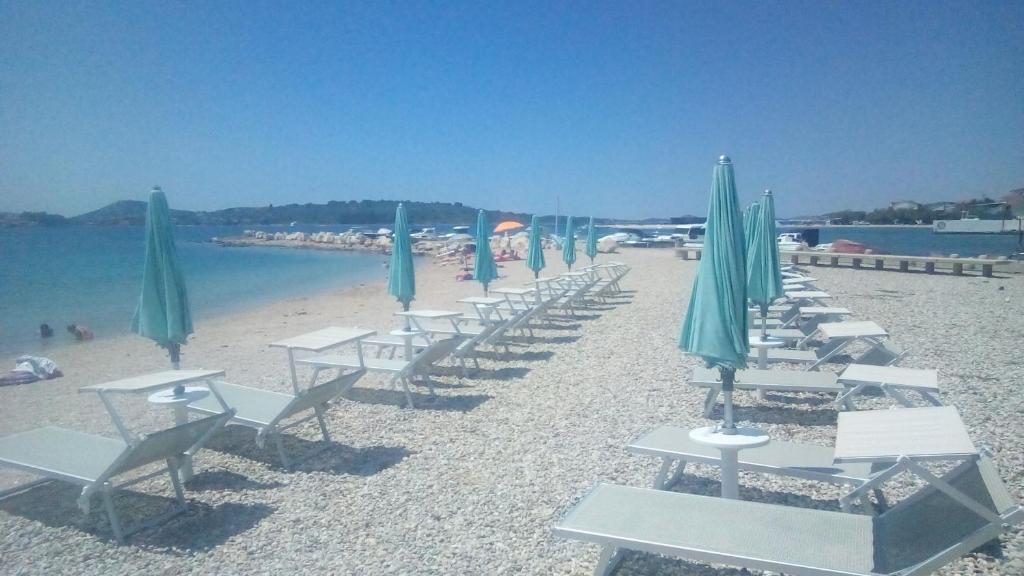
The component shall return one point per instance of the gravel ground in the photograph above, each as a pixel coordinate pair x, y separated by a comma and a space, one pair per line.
472, 482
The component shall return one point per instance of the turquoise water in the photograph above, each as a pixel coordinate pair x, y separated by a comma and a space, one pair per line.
923, 242
91, 275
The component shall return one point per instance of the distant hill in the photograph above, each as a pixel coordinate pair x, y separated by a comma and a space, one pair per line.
358, 212
127, 212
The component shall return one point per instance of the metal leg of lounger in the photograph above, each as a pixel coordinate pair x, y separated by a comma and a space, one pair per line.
929, 398
845, 399
608, 561
857, 494
659, 480
179, 492
829, 354
319, 411
280, 450
408, 393
115, 522
710, 400
665, 482
676, 475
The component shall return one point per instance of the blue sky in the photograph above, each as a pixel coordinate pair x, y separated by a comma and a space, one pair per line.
618, 109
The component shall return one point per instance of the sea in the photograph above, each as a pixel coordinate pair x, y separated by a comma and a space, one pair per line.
91, 275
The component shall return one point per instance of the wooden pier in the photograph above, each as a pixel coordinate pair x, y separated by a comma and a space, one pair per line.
875, 261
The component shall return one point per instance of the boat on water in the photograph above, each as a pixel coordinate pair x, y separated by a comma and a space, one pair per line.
800, 240
424, 234
791, 241
650, 236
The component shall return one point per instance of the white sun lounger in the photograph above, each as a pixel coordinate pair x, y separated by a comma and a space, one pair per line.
402, 371
808, 461
271, 413
93, 462
765, 380
893, 381
966, 508
840, 335
470, 337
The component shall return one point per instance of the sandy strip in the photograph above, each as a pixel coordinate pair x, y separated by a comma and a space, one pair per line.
472, 483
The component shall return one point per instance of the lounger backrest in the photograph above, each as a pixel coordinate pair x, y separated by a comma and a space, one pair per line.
931, 525
829, 346
169, 443
319, 394
789, 314
810, 325
499, 329
433, 353
883, 353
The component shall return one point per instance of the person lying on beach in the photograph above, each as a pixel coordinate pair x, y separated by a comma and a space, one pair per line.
80, 331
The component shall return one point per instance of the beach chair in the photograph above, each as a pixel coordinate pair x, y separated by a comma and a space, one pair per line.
845, 389
808, 461
271, 413
894, 382
840, 335
94, 462
766, 380
470, 338
947, 518
402, 371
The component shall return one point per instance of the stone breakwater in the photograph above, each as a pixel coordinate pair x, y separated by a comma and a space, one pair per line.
359, 241
320, 241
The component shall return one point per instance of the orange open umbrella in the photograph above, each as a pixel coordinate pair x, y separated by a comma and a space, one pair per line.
507, 225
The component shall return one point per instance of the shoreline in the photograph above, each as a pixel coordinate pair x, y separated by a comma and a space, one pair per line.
225, 313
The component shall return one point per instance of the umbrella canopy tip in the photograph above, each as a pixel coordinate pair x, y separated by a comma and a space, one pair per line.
723, 159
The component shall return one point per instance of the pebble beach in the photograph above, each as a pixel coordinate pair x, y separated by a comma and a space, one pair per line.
472, 481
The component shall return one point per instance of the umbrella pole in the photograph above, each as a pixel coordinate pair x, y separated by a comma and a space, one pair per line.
175, 350
728, 379
405, 308
764, 322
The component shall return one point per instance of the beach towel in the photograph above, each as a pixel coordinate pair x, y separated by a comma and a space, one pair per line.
28, 369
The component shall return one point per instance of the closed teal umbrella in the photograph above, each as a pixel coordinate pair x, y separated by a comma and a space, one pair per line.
535, 253
401, 272
569, 243
484, 269
163, 313
715, 327
749, 221
591, 249
764, 278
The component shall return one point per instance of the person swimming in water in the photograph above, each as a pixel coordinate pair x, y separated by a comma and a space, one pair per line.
80, 331
45, 331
